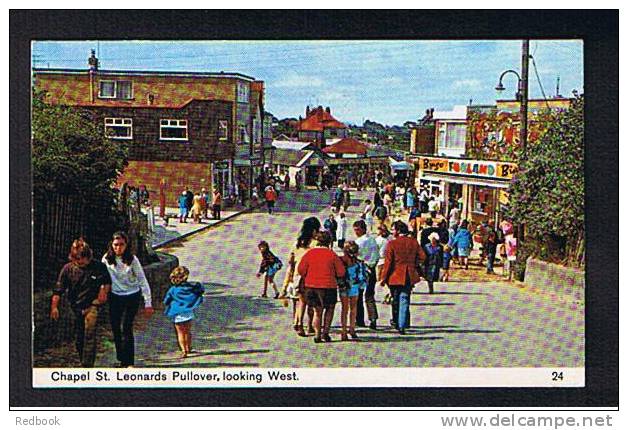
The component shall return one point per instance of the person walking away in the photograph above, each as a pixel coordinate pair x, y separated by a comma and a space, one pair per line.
433, 261
331, 226
446, 262
341, 233
413, 219
463, 242
491, 246
204, 203
382, 239
189, 199
216, 203
510, 242
277, 187
128, 286
356, 279
367, 215
181, 299
286, 181
87, 284
443, 232
401, 272
271, 196
293, 281
369, 252
388, 201
381, 214
320, 268
410, 198
243, 192
423, 198
338, 197
297, 181
269, 266
183, 210
346, 199
197, 208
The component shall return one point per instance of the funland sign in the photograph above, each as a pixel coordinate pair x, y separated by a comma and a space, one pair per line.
477, 168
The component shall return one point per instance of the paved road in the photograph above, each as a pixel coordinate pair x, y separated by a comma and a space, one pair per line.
467, 324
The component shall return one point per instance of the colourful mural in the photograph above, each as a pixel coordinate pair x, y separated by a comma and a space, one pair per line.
493, 134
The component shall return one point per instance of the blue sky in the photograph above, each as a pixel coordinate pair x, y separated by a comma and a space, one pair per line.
385, 81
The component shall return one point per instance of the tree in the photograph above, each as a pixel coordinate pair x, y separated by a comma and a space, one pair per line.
547, 194
71, 154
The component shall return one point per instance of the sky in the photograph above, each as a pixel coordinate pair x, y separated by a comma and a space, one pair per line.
389, 82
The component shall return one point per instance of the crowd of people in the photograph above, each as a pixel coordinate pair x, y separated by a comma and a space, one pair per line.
324, 267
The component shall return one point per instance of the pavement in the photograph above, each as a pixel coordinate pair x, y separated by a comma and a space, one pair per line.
165, 232
477, 321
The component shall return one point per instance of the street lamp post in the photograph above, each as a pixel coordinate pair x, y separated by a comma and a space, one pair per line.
522, 94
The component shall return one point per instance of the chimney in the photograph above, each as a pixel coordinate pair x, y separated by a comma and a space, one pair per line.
328, 110
93, 61
307, 111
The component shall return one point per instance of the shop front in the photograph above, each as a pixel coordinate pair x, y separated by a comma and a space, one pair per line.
477, 187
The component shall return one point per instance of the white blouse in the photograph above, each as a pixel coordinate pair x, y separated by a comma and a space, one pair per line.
127, 280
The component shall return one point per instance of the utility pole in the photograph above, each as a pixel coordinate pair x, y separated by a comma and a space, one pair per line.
523, 95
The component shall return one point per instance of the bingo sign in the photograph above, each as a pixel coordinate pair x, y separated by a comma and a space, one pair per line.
477, 168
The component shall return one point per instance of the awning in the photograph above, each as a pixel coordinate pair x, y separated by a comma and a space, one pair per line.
401, 165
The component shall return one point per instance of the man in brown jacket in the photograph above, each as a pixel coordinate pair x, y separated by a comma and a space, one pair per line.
401, 271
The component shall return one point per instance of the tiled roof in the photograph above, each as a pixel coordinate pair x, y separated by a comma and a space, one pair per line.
347, 145
318, 120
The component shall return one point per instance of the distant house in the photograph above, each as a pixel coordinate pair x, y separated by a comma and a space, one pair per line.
294, 157
319, 125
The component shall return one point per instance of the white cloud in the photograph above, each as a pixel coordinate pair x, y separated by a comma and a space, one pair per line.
467, 84
295, 80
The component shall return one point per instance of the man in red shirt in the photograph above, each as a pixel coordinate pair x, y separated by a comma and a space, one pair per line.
401, 271
320, 268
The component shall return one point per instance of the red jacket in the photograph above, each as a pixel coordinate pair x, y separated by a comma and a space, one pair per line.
270, 195
402, 261
320, 267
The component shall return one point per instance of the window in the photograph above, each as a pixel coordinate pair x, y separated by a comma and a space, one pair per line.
452, 135
107, 89
124, 90
173, 129
119, 128
256, 131
244, 134
223, 129
115, 90
243, 92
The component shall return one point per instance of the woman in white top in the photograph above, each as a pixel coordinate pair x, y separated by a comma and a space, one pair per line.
128, 286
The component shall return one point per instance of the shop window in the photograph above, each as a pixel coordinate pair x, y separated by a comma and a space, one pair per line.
119, 128
173, 129
482, 200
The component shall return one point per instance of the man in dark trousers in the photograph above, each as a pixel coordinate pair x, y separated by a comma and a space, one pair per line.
189, 199
87, 283
401, 271
369, 252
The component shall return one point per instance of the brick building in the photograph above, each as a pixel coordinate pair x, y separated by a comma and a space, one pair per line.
187, 128
319, 125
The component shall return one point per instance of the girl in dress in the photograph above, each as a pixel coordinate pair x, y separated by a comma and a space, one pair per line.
181, 300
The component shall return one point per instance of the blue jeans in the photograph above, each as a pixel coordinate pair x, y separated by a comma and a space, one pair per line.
490, 261
401, 305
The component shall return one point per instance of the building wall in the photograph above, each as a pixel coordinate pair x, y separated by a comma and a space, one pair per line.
167, 91
177, 174
203, 144
422, 140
